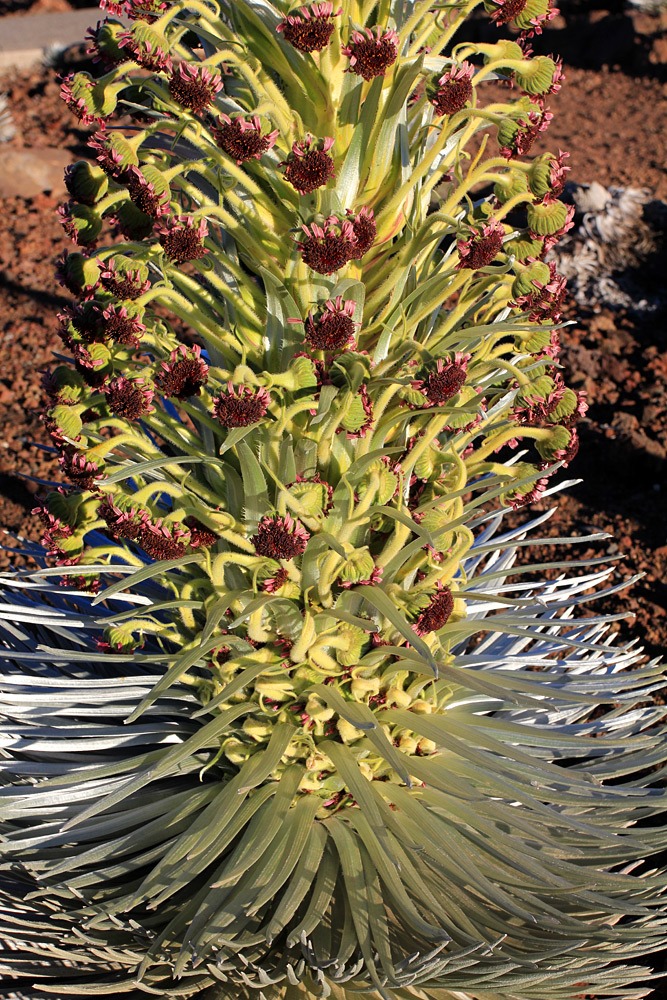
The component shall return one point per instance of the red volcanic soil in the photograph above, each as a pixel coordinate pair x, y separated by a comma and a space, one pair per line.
611, 115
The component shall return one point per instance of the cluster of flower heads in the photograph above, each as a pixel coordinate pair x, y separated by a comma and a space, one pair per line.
106, 316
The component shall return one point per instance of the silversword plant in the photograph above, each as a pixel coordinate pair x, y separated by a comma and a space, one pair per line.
282, 715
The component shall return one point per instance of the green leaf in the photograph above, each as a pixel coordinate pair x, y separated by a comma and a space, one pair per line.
380, 600
256, 496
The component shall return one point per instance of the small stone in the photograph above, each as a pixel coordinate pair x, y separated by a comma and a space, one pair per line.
29, 172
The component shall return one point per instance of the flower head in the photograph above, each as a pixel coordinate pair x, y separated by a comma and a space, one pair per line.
272, 584
371, 51
333, 328
201, 536
194, 86
77, 90
126, 283
482, 246
528, 15
129, 398
120, 523
310, 29
81, 223
436, 614
328, 247
241, 406
517, 138
182, 238
184, 374
162, 542
454, 89
545, 303
518, 500
79, 470
442, 383
309, 165
365, 231
147, 52
280, 537
242, 139
121, 326
145, 195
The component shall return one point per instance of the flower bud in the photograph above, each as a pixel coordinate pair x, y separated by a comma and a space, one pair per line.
355, 639
536, 75
359, 567
78, 273
547, 218
121, 638
524, 283
257, 729
347, 732
558, 440
514, 183
67, 420
86, 182
314, 496
523, 247
362, 688
82, 223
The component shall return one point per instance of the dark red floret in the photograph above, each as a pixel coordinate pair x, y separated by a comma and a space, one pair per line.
311, 28
437, 614
241, 406
242, 138
333, 329
194, 87
201, 536
184, 374
365, 231
280, 537
128, 398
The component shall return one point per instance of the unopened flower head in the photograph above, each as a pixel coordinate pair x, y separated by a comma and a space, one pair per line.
309, 28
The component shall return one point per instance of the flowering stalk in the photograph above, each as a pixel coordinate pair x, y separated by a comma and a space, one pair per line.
296, 387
